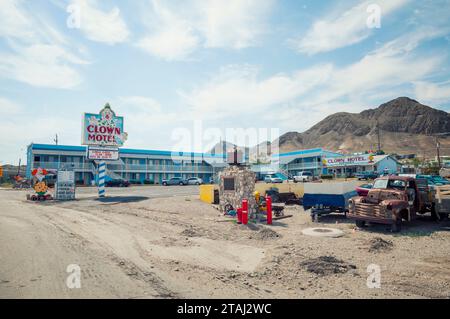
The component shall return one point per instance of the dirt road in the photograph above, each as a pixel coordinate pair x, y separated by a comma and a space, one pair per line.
144, 246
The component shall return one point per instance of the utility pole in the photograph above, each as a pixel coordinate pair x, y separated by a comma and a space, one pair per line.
378, 137
18, 169
438, 145
56, 139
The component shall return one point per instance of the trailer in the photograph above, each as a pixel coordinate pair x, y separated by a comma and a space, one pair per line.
327, 198
442, 201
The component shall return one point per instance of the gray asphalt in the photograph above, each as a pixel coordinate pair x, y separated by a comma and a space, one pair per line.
150, 191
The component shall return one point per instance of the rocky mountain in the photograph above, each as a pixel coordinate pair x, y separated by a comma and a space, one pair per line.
405, 126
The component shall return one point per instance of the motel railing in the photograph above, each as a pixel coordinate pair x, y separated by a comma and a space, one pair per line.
129, 167
300, 166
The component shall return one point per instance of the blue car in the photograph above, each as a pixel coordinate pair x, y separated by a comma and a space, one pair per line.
440, 180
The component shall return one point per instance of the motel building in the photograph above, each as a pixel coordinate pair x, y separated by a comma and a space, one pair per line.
152, 166
134, 165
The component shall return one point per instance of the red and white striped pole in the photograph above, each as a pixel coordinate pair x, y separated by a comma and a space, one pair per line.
269, 210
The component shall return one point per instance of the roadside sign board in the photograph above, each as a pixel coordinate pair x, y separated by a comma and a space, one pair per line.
65, 185
103, 129
365, 159
102, 153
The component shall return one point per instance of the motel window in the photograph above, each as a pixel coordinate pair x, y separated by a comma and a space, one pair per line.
37, 158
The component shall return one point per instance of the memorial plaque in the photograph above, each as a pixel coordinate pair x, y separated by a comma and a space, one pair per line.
228, 184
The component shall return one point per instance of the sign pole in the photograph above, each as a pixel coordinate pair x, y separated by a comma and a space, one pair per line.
101, 178
103, 134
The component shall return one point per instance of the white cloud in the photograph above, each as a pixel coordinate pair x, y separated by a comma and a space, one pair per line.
22, 128
172, 37
139, 103
146, 122
14, 22
432, 92
38, 54
235, 23
42, 66
311, 94
8, 107
176, 31
340, 29
100, 26
237, 89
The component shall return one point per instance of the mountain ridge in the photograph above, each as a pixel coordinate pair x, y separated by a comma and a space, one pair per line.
405, 126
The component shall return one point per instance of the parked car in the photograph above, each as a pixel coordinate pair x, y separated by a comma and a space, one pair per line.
363, 189
303, 177
391, 200
174, 181
439, 180
272, 179
195, 181
117, 183
50, 180
366, 175
429, 180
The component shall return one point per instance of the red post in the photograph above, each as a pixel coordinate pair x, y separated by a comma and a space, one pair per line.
245, 204
244, 218
269, 210
239, 215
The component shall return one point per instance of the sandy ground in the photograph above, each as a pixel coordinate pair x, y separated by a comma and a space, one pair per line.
167, 244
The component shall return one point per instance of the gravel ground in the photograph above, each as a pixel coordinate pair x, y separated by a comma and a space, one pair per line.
171, 245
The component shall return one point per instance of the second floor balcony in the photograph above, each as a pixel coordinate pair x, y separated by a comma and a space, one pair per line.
89, 167
300, 166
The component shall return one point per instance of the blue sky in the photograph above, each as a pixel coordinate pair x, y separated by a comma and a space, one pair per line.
254, 63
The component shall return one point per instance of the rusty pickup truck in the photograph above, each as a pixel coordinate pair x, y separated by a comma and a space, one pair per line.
391, 200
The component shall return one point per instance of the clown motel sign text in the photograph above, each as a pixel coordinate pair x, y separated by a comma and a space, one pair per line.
103, 129
365, 159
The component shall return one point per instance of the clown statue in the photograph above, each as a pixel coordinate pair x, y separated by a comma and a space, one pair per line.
40, 186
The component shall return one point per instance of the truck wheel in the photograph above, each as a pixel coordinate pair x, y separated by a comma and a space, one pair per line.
360, 223
164, 184
396, 226
434, 214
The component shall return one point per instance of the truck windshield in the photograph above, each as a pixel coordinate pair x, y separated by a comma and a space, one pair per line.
389, 183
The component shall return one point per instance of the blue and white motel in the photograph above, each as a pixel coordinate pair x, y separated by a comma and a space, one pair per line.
138, 165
